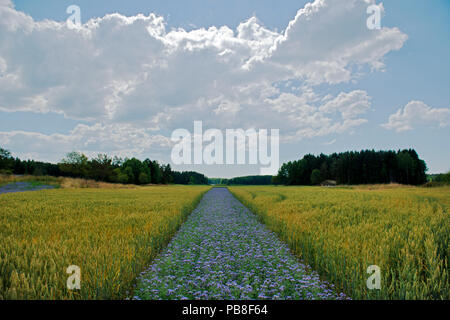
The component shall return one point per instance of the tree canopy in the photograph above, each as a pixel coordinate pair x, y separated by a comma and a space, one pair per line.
363, 167
102, 168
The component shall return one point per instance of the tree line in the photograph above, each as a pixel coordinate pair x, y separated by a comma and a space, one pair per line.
101, 168
245, 181
363, 167
441, 178
189, 177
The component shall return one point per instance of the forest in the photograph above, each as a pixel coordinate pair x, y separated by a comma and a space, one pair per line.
363, 167
243, 181
352, 168
101, 168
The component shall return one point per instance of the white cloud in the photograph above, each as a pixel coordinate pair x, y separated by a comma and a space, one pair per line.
120, 140
6, 3
329, 143
130, 72
308, 115
350, 105
328, 36
417, 113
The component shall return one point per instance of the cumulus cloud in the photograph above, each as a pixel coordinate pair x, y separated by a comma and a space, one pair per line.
308, 116
328, 36
350, 105
6, 3
131, 72
329, 143
113, 139
417, 113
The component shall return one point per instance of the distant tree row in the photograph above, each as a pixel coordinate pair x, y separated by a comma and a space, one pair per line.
251, 180
443, 178
217, 181
245, 181
364, 167
8, 164
126, 171
189, 177
101, 168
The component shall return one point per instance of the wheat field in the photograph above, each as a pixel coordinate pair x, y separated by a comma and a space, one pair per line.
340, 232
111, 234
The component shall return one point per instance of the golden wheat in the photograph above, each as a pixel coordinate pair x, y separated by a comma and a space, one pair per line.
110, 234
342, 231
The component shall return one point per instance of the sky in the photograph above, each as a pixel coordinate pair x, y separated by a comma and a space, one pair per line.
137, 70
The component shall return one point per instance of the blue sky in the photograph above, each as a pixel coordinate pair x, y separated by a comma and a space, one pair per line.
415, 70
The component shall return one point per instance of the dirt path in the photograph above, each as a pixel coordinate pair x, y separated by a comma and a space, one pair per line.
223, 252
